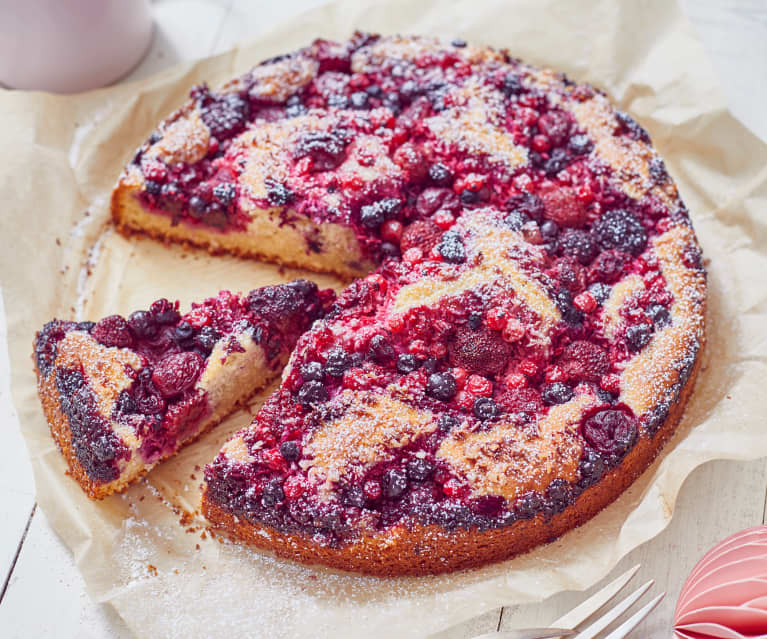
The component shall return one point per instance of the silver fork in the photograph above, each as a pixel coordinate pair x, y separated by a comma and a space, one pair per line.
566, 626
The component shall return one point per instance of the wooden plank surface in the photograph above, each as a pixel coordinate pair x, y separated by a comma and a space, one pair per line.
42, 592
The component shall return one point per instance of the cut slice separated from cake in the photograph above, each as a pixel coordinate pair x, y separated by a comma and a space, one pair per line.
120, 395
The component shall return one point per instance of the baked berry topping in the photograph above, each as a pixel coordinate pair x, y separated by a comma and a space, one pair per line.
441, 386
481, 351
113, 331
225, 115
312, 392
578, 244
177, 373
451, 248
584, 361
611, 432
485, 409
421, 234
326, 150
620, 229
556, 393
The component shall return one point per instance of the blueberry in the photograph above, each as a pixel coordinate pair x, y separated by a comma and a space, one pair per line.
528, 505
659, 314
273, 493
658, 171
512, 85
559, 494
549, 230
592, 467
290, 450
451, 247
196, 206
556, 393
441, 386
440, 175
381, 351
419, 469
338, 100
312, 371
578, 244
395, 483
152, 187
206, 339
143, 324
429, 365
580, 144
354, 496
458, 43
312, 392
390, 206
374, 90
371, 216
338, 362
620, 229
564, 301
359, 100
389, 250
556, 162
485, 408
475, 321
409, 89
183, 331
638, 336
469, 197
448, 423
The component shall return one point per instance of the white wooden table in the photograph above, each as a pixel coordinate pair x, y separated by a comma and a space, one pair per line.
41, 592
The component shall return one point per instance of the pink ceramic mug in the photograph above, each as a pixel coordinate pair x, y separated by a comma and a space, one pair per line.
71, 45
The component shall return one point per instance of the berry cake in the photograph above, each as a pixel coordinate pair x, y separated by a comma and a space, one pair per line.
526, 324
121, 395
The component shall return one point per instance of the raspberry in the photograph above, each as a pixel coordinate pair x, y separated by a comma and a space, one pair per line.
274, 459
513, 331
113, 331
464, 400
478, 385
561, 205
460, 376
515, 380
443, 219
555, 374
421, 234
528, 367
372, 489
521, 400
584, 361
176, 373
555, 125
294, 487
496, 319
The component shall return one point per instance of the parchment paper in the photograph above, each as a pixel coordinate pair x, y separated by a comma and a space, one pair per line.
61, 156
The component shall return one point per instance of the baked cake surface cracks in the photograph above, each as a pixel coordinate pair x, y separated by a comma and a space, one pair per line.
527, 341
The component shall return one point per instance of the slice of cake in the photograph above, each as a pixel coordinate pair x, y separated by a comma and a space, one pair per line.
122, 394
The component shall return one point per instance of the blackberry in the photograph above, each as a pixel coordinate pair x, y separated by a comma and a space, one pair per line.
206, 339
659, 314
600, 291
441, 386
528, 505
556, 162
592, 467
278, 193
578, 244
528, 204
407, 363
515, 220
621, 229
440, 175
451, 248
224, 193
226, 115
371, 216
512, 85
630, 127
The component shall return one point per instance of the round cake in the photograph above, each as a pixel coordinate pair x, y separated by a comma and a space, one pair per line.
528, 313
